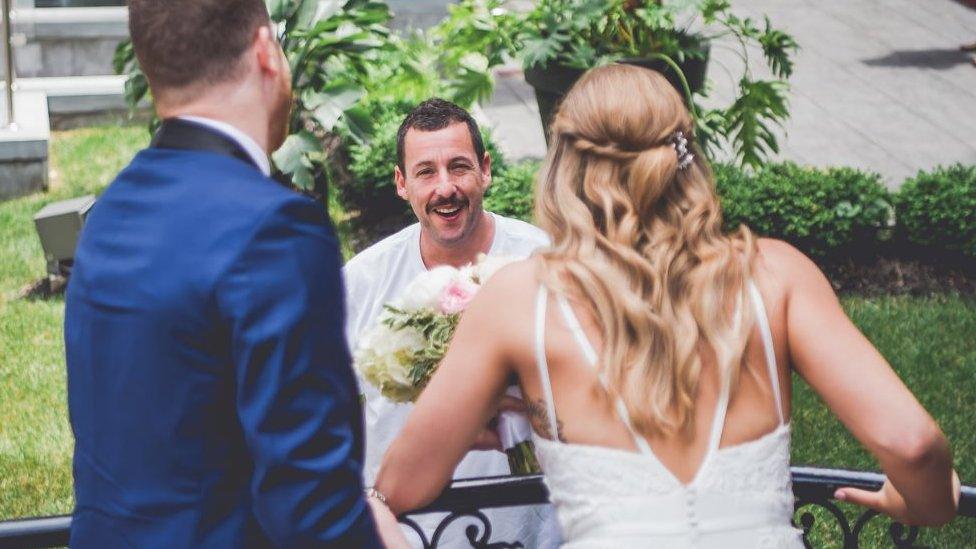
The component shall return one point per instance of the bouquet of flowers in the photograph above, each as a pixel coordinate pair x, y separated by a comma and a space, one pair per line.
401, 353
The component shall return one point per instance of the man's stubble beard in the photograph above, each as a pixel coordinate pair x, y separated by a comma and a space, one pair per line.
279, 125
467, 232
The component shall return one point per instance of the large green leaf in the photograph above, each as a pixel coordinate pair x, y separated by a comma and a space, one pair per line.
294, 158
359, 122
777, 48
759, 103
280, 9
328, 105
473, 83
124, 57
537, 52
304, 15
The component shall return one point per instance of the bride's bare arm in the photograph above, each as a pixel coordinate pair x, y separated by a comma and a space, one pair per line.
462, 397
861, 388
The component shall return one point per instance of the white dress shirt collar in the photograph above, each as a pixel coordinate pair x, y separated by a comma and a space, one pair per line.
252, 149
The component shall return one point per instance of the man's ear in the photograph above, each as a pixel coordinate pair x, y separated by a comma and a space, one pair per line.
267, 52
486, 169
401, 183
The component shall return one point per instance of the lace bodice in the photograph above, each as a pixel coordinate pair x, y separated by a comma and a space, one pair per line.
606, 497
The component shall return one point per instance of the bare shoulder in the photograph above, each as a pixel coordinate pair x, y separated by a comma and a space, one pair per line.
501, 313
780, 254
781, 263
513, 281
782, 271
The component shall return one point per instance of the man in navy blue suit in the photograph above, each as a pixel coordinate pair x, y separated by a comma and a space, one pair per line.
209, 384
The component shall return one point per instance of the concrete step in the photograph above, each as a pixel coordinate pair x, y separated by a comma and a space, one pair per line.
67, 95
24, 146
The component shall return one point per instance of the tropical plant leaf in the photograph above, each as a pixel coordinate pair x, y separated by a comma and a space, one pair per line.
747, 120
359, 122
124, 57
329, 104
537, 52
777, 48
303, 16
280, 9
295, 158
473, 83
136, 89
710, 128
711, 9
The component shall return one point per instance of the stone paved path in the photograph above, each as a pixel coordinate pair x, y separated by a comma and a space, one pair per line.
879, 84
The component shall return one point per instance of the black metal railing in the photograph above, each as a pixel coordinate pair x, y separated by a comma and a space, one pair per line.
812, 487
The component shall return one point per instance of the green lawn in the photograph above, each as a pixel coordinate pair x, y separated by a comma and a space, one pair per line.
930, 341
35, 439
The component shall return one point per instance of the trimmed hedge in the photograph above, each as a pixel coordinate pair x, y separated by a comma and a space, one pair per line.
937, 209
821, 211
512, 190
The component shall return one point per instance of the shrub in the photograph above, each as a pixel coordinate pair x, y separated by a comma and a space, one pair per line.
370, 188
938, 209
821, 211
512, 190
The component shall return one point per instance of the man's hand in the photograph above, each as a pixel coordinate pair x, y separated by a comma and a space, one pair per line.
488, 437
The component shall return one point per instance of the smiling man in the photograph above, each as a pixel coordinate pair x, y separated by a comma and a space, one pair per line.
443, 171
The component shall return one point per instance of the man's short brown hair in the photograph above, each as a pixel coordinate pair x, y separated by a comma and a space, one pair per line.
182, 43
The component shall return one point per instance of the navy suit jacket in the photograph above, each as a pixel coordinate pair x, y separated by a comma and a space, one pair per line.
209, 385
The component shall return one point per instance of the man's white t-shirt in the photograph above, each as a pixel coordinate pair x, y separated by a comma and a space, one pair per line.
377, 276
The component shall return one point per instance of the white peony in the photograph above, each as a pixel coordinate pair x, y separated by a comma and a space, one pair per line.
386, 356
487, 266
426, 290
384, 359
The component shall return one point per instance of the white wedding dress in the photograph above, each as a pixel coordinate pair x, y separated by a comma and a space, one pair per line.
741, 496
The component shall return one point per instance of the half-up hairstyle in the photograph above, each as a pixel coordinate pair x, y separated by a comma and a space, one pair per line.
640, 243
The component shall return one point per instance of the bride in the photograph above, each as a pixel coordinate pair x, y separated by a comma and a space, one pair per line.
655, 352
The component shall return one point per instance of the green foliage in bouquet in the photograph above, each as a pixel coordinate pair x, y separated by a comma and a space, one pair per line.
938, 209
436, 328
587, 33
821, 211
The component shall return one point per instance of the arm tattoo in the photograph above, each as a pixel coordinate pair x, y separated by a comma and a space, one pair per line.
540, 419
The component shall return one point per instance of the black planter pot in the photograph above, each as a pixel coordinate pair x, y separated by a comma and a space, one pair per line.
553, 81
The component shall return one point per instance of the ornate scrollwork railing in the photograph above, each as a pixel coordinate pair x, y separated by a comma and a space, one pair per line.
814, 488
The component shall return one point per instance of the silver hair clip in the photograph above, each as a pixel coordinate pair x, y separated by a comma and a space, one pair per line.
680, 144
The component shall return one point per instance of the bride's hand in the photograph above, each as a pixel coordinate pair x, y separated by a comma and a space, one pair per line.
888, 500
387, 526
488, 438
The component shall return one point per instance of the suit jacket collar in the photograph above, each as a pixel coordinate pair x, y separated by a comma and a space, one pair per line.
193, 135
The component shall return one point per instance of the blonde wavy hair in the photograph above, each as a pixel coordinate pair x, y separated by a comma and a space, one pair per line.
640, 243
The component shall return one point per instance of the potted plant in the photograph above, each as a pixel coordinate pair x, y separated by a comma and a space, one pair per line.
558, 40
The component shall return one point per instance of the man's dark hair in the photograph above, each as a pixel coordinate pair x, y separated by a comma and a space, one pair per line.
180, 43
437, 114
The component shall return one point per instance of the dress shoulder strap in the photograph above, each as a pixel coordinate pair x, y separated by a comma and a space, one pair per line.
767, 340
541, 304
591, 356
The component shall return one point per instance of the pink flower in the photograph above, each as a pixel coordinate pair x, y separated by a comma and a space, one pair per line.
457, 295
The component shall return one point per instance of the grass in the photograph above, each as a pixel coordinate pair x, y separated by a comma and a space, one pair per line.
35, 438
929, 341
